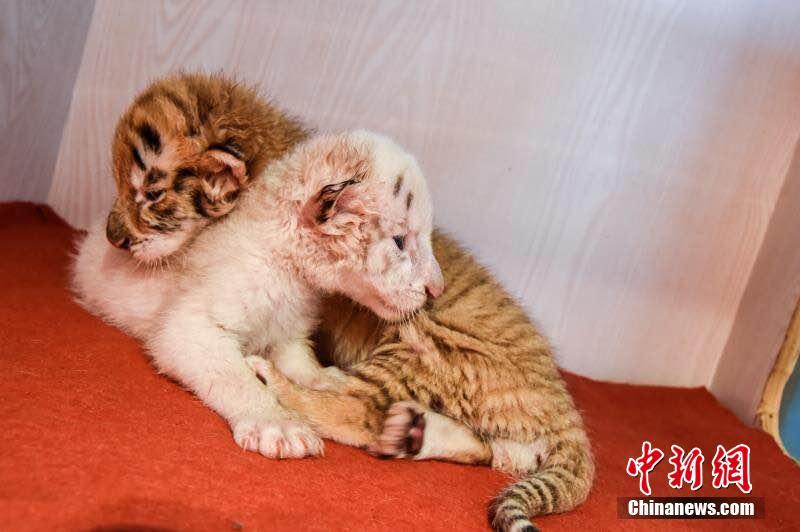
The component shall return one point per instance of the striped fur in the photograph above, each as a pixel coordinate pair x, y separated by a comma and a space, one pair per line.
182, 152
473, 356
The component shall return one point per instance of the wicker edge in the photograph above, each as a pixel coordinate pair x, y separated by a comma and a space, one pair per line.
767, 415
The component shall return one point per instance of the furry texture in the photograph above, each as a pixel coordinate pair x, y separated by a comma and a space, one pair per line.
467, 379
127, 293
324, 219
182, 152
110, 283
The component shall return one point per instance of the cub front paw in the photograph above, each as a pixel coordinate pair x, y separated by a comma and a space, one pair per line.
277, 438
403, 431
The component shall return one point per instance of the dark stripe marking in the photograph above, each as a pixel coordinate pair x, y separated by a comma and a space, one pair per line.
436, 404
230, 147
327, 197
231, 196
162, 228
145, 99
554, 491
204, 106
542, 501
197, 202
541, 488
150, 137
164, 213
154, 176
528, 489
182, 108
324, 211
137, 158
514, 500
182, 174
409, 199
397, 184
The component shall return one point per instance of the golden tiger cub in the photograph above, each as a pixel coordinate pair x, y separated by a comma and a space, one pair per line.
468, 379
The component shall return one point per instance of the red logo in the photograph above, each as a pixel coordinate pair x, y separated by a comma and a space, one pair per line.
644, 464
732, 467
729, 467
686, 467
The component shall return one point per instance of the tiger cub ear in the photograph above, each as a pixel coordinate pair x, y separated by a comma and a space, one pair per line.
333, 207
222, 177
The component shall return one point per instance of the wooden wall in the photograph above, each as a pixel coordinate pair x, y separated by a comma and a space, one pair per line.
41, 42
765, 311
616, 163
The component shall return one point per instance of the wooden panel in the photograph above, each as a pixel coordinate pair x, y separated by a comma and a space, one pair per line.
40, 52
616, 164
766, 308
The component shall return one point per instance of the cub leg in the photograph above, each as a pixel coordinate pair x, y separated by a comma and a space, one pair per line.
413, 431
348, 416
299, 363
355, 416
207, 360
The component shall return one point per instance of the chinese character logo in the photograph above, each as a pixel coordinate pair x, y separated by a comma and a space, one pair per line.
732, 467
729, 467
686, 468
644, 464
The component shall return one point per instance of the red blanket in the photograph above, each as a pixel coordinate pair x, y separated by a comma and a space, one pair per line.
93, 438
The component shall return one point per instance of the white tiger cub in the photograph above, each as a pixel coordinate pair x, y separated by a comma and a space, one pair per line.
109, 282
324, 219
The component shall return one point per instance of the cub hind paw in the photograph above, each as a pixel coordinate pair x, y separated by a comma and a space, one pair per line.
403, 431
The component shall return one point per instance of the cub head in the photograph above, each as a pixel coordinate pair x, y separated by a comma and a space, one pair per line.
182, 153
365, 222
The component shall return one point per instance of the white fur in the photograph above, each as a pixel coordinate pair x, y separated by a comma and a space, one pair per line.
110, 283
394, 282
158, 245
159, 306
446, 439
137, 182
517, 457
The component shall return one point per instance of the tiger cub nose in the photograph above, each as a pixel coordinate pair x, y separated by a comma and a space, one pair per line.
435, 285
116, 234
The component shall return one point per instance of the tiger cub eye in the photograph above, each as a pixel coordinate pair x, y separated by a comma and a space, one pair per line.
154, 195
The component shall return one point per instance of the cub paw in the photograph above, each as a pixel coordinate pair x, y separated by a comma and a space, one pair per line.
277, 438
403, 431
